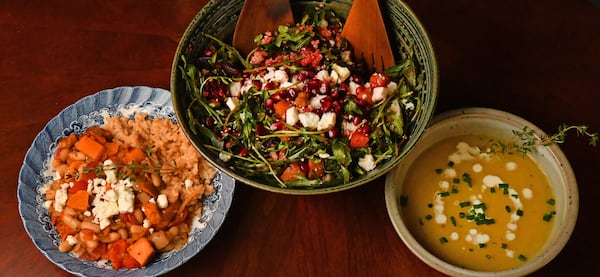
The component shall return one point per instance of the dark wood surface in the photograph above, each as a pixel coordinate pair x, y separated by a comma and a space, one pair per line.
537, 59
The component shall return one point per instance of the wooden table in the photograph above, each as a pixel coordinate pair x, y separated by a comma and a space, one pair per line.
538, 60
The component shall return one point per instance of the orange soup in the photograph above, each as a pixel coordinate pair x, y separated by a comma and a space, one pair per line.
477, 209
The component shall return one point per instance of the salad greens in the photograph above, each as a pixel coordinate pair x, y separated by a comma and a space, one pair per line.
299, 111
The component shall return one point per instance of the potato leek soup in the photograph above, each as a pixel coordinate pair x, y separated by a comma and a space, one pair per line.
476, 208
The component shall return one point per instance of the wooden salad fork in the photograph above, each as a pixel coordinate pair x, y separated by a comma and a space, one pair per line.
257, 17
365, 31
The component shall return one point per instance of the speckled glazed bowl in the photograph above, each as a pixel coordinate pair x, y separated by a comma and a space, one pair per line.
218, 18
499, 124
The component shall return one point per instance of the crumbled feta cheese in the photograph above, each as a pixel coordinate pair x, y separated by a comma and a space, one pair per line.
309, 120
188, 183
233, 103
125, 196
348, 126
327, 121
72, 240
379, 93
110, 171
367, 162
105, 203
322, 75
315, 101
342, 72
291, 116
352, 86
60, 198
162, 202
235, 89
392, 86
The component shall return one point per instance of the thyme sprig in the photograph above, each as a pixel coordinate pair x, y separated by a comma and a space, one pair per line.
527, 139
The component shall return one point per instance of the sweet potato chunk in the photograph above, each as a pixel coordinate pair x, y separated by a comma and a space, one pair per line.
141, 250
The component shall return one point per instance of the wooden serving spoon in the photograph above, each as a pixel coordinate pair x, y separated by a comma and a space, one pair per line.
258, 16
365, 30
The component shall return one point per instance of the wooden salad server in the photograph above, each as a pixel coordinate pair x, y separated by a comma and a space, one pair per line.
365, 30
257, 17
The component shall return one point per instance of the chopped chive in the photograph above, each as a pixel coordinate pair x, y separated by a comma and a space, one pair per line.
429, 205
515, 196
482, 245
548, 217
438, 170
456, 180
444, 194
464, 204
480, 206
470, 217
505, 191
428, 217
507, 208
522, 258
454, 190
452, 220
504, 245
450, 164
403, 201
443, 240
503, 186
467, 178
470, 249
461, 215
551, 201
520, 212
421, 222
493, 190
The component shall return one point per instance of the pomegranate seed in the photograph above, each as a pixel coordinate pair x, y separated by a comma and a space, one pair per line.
269, 103
324, 88
277, 125
209, 122
304, 167
333, 132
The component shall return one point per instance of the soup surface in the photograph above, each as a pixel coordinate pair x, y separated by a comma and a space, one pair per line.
478, 209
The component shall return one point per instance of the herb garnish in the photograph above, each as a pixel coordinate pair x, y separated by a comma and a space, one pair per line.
526, 139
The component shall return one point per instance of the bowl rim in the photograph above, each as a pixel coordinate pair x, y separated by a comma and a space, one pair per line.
417, 131
548, 253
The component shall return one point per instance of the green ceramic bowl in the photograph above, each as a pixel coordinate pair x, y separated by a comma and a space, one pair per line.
218, 18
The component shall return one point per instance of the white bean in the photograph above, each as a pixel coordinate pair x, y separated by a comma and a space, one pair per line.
71, 222
90, 225
65, 246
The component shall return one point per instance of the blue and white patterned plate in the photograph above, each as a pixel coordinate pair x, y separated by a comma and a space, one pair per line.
76, 118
